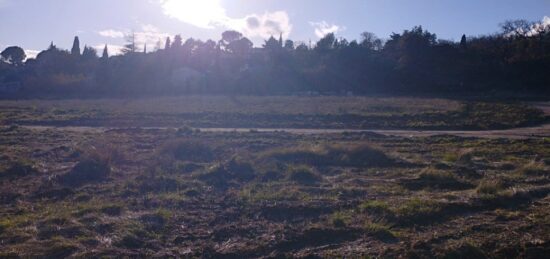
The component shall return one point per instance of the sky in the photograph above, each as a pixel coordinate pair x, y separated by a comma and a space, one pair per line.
33, 24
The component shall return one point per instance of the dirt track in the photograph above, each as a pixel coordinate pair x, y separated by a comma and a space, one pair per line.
519, 133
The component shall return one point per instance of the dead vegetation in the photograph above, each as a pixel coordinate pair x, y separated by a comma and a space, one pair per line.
164, 193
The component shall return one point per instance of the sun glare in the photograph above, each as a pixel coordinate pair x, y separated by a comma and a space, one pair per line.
201, 13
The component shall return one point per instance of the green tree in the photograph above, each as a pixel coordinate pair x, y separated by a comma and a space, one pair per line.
75, 50
105, 53
130, 46
14, 55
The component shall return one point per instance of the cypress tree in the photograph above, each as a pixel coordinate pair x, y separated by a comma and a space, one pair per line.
168, 43
463, 41
105, 53
76, 47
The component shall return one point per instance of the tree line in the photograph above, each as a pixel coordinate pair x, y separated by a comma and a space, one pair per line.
415, 61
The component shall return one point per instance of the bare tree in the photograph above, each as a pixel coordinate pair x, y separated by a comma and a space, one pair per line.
130, 46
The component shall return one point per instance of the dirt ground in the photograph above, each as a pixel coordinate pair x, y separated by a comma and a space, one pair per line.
76, 191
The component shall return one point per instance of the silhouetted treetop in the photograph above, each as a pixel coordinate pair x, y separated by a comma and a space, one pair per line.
412, 61
14, 55
75, 50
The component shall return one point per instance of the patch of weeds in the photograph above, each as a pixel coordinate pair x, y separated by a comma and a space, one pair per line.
362, 155
380, 231
131, 241
18, 169
436, 179
112, 210
375, 207
60, 248
465, 250
271, 175
6, 224
340, 219
192, 193
189, 150
221, 175
533, 168
158, 184
156, 221
489, 187
272, 192
506, 215
450, 157
416, 209
303, 175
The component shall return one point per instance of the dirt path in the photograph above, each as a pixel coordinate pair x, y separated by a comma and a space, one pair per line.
517, 133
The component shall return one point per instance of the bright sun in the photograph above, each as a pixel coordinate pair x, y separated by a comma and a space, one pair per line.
201, 13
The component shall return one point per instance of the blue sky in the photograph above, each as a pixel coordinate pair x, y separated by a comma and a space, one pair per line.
32, 24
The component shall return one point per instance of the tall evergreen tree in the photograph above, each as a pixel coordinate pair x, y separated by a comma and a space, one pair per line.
168, 43
105, 53
178, 42
463, 41
89, 53
75, 51
130, 46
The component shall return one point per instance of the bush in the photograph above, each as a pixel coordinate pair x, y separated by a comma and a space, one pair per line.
379, 231
340, 219
333, 155
487, 187
222, 174
417, 209
188, 150
430, 178
88, 170
303, 175
112, 210
375, 207
18, 169
533, 168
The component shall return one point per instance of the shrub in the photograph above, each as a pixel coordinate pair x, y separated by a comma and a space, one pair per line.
375, 207
533, 168
333, 155
18, 169
465, 250
112, 210
379, 231
487, 187
303, 175
188, 150
431, 178
340, 219
88, 170
234, 170
415, 209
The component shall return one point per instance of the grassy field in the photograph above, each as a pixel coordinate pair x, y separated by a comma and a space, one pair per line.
273, 112
184, 192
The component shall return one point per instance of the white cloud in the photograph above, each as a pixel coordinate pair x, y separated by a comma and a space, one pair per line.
323, 28
112, 49
31, 53
149, 34
203, 13
210, 14
263, 26
110, 33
